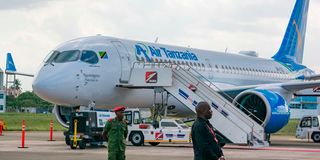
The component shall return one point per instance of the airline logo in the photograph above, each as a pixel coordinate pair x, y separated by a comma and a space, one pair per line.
159, 136
149, 52
151, 77
281, 110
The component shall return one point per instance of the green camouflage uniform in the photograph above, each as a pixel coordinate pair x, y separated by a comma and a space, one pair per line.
117, 134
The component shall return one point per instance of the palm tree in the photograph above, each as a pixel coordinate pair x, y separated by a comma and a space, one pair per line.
16, 88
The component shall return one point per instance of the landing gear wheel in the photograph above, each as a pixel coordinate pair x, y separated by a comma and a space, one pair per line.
316, 137
82, 144
67, 140
154, 143
137, 138
71, 145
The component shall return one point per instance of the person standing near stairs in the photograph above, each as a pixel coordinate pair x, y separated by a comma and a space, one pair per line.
205, 143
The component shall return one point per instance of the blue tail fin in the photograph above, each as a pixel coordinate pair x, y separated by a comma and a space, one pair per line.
10, 64
291, 49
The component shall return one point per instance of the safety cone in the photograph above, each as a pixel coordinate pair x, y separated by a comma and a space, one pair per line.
1, 126
23, 134
51, 131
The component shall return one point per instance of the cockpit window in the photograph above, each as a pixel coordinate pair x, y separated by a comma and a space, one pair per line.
89, 57
67, 56
50, 56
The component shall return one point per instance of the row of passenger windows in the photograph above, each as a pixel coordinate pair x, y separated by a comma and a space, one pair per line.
217, 68
87, 56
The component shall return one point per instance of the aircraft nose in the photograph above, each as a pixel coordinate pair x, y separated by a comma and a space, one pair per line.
51, 87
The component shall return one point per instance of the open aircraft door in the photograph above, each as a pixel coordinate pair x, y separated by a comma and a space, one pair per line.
125, 61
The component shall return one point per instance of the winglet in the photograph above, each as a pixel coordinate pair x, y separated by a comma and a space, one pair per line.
10, 64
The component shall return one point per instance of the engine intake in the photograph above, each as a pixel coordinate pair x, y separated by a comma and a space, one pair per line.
62, 114
266, 107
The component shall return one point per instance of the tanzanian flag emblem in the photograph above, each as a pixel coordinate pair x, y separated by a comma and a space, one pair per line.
103, 55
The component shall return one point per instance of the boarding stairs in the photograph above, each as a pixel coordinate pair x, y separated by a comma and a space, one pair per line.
190, 87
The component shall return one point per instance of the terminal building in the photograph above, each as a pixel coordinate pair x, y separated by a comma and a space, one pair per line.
306, 102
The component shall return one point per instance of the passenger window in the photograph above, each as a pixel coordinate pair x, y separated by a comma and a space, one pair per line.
67, 56
315, 122
306, 122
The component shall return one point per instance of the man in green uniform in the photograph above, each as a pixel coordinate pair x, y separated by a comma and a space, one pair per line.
116, 132
205, 143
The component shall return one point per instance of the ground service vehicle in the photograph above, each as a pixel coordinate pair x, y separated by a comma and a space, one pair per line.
86, 127
308, 127
166, 130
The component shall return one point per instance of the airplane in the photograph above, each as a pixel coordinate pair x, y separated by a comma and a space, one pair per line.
11, 68
88, 69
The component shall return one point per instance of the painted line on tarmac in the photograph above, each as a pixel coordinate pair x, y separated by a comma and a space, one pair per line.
274, 149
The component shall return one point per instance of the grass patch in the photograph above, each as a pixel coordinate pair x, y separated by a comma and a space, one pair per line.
289, 129
34, 122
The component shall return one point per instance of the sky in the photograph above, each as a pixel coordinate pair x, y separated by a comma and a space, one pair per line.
30, 29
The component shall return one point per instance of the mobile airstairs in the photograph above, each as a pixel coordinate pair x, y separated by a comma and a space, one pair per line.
190, 87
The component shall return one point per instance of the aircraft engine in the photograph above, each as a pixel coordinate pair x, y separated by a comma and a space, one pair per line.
62, 114
268, 108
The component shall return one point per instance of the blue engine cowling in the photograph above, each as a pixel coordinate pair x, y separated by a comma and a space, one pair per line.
269, 108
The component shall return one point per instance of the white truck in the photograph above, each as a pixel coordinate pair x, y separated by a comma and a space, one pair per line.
308, 127
165, 131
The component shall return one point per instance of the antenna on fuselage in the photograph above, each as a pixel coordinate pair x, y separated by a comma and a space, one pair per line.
226, 50
156, 41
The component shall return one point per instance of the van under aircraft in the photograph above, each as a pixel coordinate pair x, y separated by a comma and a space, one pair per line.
100, 69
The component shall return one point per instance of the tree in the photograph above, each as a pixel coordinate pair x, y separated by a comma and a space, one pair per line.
29, 98
16, 84
15, 88
25, 100
11, 103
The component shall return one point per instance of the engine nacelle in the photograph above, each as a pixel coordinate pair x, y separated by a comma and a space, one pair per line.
62, 115
269, 108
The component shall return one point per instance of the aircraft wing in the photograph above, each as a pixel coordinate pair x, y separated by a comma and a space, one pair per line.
313, 77
296, 86
290, 86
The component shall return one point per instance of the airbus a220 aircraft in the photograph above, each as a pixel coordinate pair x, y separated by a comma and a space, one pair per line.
88, 69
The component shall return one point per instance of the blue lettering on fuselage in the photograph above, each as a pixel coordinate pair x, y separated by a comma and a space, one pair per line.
151, 51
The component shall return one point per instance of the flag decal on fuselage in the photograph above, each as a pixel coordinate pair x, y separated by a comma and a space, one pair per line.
103, 55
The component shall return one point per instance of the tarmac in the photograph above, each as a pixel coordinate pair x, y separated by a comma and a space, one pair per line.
281, 148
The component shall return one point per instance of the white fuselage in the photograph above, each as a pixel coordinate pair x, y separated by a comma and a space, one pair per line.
76, 82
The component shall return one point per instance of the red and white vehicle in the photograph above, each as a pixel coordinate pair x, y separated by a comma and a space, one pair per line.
165, 131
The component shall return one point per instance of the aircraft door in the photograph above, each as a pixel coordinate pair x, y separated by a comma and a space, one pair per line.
209, 69
125, 61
